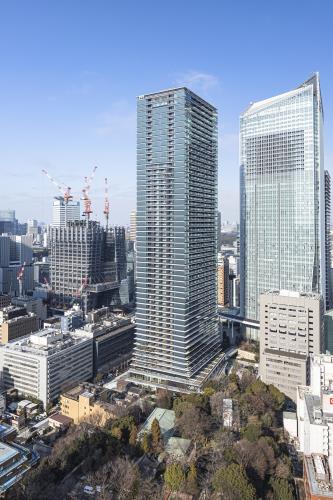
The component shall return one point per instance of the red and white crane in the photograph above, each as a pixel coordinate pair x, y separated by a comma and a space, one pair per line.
64, 190
87, 210
20, 277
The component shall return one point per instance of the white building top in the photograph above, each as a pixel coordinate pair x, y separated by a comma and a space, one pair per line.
46, 342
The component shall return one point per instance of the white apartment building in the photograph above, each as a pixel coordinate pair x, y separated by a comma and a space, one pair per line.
46, 363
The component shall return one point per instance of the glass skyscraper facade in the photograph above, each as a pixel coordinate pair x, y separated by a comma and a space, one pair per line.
282, 196
177, 329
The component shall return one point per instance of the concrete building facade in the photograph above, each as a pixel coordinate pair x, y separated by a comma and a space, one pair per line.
291, 329
46, 363
223, 282
177, 331
87, 402
19, 326
82, 265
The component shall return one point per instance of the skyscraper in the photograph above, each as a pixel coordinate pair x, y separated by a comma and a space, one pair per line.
8, 222
133, 226
329, 297
177, 331
282, 196
82, 265
63, 212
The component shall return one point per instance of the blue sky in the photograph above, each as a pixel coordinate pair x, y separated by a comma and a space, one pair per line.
71, 71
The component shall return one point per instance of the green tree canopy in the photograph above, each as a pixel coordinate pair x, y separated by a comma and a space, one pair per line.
174, 477
252, 432
232, 482
281, 489
146, 443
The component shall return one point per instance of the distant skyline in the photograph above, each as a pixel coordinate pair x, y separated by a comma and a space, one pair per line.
71, 71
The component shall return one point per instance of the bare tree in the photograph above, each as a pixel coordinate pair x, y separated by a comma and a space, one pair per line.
194, 424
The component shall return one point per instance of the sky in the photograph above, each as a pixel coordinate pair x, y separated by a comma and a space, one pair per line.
70, 71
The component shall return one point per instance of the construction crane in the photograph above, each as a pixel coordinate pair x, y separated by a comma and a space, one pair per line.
47, 284
64, 190
87, 210
106, 210
20, 276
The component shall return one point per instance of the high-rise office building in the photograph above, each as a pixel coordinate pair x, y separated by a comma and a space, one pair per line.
177, 332
82, 265
8, 222
133, 226
329, 295
282, 196
120, 252
14, 252
63, 212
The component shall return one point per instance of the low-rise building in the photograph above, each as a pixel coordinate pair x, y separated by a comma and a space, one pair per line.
4, 300
59, 421
166, 420
32, 305
46, 363
15, 462
87, 402
113, 338
315, 423
317, 478
16, 326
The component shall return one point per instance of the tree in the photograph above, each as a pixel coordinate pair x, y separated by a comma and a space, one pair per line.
194, 424
258, 460
216, 404
252, 432
98, 378
232, 483
116, 432
192, 480
174, 477
278, 396
281, 489
146, 443
283, 468
124, 478
164, 399
209, 391
156, 436
133, 436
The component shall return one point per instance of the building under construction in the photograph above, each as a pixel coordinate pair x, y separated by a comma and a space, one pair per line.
83, 265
